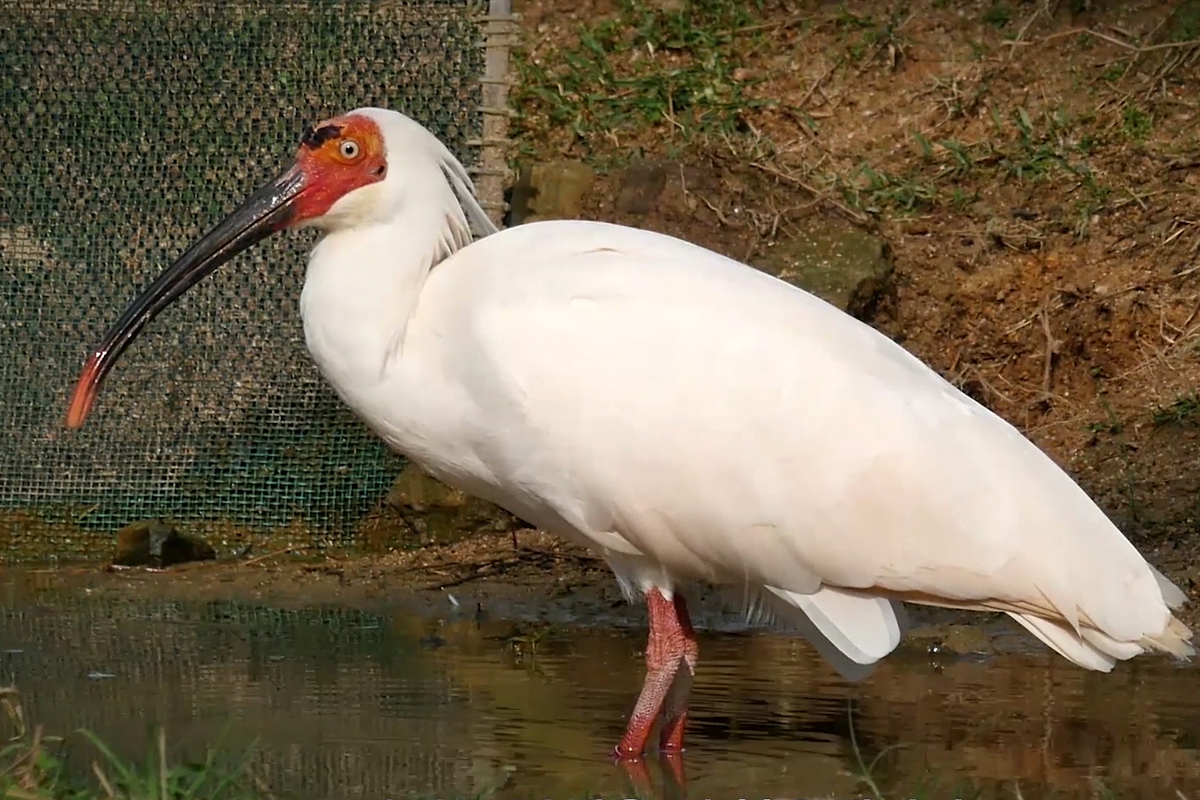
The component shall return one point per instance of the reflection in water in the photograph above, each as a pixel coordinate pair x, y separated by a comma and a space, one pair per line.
348, 704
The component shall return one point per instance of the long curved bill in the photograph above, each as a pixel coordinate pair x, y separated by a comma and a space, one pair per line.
264, 212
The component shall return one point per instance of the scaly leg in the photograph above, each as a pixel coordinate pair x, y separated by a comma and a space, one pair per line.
674, 713
671, 646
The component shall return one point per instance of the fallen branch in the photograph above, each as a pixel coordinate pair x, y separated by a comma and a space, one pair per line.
1051, 346
265, 556
1136, 48
853, 216
820, 79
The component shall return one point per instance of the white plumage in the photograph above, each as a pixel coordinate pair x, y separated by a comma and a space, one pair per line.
689, 417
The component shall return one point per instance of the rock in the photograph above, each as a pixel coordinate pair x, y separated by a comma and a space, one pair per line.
966, 639
550, 191
155, 543
961, 639
840, 264
438, 514
641, 186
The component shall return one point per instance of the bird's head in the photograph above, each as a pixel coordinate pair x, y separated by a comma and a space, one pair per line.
335, 176
341, 177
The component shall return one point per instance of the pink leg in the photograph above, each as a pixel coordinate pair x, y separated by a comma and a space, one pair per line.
639, 776
670, 651
674, 781
674, 713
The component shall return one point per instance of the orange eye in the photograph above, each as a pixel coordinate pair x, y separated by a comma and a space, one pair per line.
349, 149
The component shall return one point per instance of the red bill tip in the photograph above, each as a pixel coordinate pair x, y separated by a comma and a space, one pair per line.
85, 392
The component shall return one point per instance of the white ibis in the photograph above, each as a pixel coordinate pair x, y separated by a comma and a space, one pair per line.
686, 416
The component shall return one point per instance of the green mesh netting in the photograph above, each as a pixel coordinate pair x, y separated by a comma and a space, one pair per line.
128, 129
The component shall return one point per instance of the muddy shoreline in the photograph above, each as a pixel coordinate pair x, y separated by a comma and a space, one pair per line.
542, 582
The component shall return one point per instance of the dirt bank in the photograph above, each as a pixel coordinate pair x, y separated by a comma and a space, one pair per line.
1033, 168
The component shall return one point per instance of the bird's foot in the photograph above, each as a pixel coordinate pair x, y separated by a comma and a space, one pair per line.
671, 654
671, 737
674, 782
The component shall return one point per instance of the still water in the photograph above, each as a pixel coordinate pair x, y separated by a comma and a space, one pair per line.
391, 703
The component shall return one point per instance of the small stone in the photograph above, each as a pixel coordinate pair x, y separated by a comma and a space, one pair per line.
439, 514
641, 187
964, 639
960, 639
555, 190
838, 263
154, 543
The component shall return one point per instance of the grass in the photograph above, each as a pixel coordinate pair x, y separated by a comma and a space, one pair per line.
643, 71
872, 777
653, 79
1181, 411
668, 81
1022, 148
1137, 123
867, 38
34, 766
998, 15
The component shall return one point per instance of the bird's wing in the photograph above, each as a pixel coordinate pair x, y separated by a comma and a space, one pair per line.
735, 428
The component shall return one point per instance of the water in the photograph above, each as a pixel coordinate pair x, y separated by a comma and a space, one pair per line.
391, 703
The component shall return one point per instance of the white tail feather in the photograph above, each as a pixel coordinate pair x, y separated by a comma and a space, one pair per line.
1172, 595
849, 629
1064, 641
1121, 651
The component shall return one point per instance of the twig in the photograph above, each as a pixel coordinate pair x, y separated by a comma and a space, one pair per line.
479, 569
1136, 48
820, 79
974, 371
162, 763
768, 26
502, 561
108, 789
854, 216
1178, 275
1133, 287
1027, 321
1047, 368
1184, 225
31, 755
890, 43
717, 211
1182, 163
265, 556
1192, 316
1032, 17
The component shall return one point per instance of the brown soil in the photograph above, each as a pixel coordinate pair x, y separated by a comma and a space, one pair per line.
1035, 173
540, 565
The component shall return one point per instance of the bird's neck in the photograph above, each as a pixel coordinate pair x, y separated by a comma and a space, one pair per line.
362, 287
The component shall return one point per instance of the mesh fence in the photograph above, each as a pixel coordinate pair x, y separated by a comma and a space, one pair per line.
128, 129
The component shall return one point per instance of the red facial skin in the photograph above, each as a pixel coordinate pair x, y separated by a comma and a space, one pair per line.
337, 156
